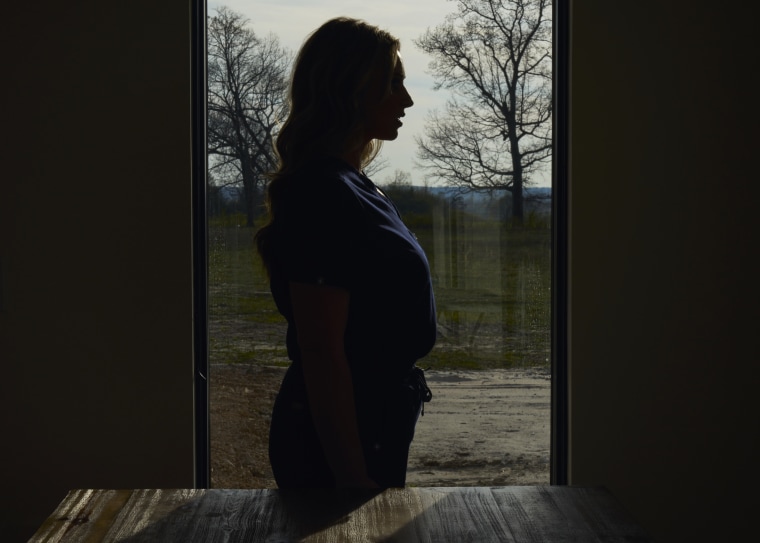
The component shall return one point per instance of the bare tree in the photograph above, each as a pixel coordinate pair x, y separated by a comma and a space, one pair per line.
247, 81
400, 178
495, 132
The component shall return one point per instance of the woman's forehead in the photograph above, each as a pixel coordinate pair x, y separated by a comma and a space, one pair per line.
398, 68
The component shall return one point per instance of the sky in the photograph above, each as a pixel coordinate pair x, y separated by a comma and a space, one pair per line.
292, 20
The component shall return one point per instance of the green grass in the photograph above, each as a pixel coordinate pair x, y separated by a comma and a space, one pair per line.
492, 285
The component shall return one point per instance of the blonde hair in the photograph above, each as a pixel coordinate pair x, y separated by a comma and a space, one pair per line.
342, 68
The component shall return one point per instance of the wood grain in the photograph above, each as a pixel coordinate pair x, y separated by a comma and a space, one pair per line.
475, 514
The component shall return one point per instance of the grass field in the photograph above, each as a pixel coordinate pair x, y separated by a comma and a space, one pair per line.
492, 285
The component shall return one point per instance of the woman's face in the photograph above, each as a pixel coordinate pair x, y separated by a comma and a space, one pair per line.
384, 119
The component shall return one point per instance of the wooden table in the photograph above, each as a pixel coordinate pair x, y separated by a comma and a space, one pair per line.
520, 514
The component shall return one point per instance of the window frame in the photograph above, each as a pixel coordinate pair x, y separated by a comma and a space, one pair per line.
560, 433
202, 436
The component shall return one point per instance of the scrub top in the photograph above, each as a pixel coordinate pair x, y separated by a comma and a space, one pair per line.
333, 226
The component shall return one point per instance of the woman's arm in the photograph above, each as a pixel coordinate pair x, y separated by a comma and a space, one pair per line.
320, 314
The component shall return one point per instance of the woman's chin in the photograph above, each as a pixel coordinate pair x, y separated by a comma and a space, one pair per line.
389, 136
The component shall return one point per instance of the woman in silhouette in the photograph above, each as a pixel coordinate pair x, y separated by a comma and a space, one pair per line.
347, 274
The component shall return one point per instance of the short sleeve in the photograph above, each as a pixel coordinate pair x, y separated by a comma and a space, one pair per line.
319, 228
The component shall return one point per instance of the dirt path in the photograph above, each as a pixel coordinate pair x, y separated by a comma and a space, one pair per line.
482, 428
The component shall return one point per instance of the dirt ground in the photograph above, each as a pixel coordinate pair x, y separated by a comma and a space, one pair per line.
482, 428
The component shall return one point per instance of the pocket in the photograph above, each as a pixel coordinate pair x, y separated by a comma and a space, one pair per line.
419, 388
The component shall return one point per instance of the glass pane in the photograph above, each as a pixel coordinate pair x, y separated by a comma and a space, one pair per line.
490, 258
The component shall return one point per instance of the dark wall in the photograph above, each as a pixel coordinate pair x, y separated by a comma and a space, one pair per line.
664, 275
95, 252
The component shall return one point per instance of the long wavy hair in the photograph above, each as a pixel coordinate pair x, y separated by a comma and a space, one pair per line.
333, 84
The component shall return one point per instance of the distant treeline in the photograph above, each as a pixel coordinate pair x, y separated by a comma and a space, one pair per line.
415, 203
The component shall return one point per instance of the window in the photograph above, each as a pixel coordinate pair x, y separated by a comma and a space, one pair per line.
496, 268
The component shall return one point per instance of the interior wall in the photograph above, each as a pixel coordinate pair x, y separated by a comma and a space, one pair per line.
664, 273
95, 255
95, 252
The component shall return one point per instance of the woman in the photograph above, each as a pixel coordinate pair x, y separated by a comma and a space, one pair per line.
349, 277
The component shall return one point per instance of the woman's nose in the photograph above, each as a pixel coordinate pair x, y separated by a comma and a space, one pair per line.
408, 102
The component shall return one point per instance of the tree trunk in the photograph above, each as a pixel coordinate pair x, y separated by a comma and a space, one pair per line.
518, 196
249, 189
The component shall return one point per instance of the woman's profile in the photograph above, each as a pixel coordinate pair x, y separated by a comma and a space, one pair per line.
347, 274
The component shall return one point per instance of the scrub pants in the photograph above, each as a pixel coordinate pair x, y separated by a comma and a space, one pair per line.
386, 416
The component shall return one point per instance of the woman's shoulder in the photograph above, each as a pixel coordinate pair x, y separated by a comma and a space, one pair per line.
323, 170
321, 190
325, 178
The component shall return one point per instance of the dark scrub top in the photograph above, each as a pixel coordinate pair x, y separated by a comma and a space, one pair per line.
334, 227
